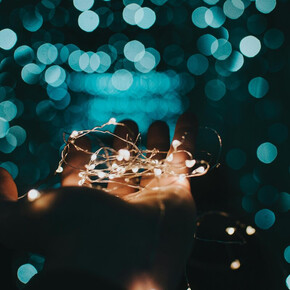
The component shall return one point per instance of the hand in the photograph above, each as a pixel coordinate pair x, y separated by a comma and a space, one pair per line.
133, 242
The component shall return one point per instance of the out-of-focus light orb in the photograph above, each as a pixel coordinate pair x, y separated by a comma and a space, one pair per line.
88, 21
215, 17
236, 158
23, 55
221, 49
250, 230
234, 62
197, 64
278, 132
30, 73
55, 75
11, 167
211, 2
134, 50
145, 17
265, 6
215, 89
8, 38
230, 230
159, 2
284, 202
204, 44
250, 46
288, 281
122, 79
45, 110
8, 143
236, 264
287, 254
273, 38
47, 53
257, 23
198, 17
26, 272
258, 87
233, 9
4, 127
129, 13
265, 218
32, 20
8, 110
19, 133
267, 194
146, 63
83, 5
128, 2
105, 62
267, 152
73, 60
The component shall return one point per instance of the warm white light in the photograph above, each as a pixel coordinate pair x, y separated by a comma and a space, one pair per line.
33, 194
123, 154
135, 169
181, 177
81, 182
190, 163
200, 169
101, 174
157, 171
170, 158
250, 230
175, 144
112, 121
230, 230
74, 134
59, 169
235, 264
94, 157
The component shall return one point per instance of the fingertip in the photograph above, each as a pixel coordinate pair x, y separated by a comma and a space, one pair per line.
8, 189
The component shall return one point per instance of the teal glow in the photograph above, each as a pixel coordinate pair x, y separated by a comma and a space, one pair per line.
10, 167
32, 20
83, 5
215, 17
95, 61
248, 184
284, 202
45, 110
24, 55
145, 17
155, 53
84, 61
267, 194
56, 94
288, 281
267, 152
8, 38
197, 64
265, 6
4, 126
134, 50
258, 87
204, 44
198, 17
236, 158
73, 60
105, 62
221, 49
122, 79
88, 21
287, 254
215, 89
234, 62
55, 75
146, 63
30, 73
159, 2
129, 13
8, 110
274, 38
264, 219
211, 2
47, 53
8, 143
19, 133
250, 46
26, 272
233, 9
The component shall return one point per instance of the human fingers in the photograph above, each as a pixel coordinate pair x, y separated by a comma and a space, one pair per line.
128, 132
8, 189
76, 161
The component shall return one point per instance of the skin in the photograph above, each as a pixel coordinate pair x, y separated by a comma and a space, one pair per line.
136, 242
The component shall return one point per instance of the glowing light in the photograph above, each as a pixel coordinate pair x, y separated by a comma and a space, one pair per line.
146, 64
198, 17
19, 133
157, 171
250, 230
221, 49
175, 144
33, 194
236, 264
190, 163
26, 272
123, 154
267, 152
30, 73
258, 87
287, 254
32, 20
264, 219
83, 5
134, 50
233, 8
288, 281
112, 121
47, 53
8, 110
8, 38
230, 230
250, 46
215, 17
215, 89
204, 44
59, 170
145, 17
265, 6
24, 55
197, 64
55, 75
234, 62
170, 158
129, 13
88, 21
122, 79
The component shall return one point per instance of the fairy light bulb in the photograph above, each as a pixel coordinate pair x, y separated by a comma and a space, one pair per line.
230, 230
74, 134
175, 144
135, 169
33, 194
94, 157
101, 174
236, 264
59, 169
123, 154
250, 230
157, 171
190, 163
170, 157
112, 121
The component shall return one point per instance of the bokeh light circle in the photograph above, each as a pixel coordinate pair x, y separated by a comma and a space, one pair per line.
23, 55
134, 50
8, 38
267, 152
83, 5
122, 79
265, 219
265, 6
258, 87
233, 9
198, 17
30, 73
221, 49
129, 13
26, 272
250, 46
204, 44
11, 167
215, 89
88, 21
287, 254
47, 53
145, 17
197, 64
4, 126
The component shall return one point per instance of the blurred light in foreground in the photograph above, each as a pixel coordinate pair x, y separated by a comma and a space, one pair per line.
83, 5
26, 272
129, 13
233, 8
145, 17
8, 38
215, 89
288, 281
122, 79
250, 46
264, 219
24, 55
197, 64
215, 17
236, 264
4, 126
236, 158
250, 230
258, 87
8, 110
31, 73
33, 194
134, 50
221, 49
88, 21
265, 6
47, 53
19, 133
287, 254
198, 17
267, 152
10, 167
32, 20
55, 75
283, 202
204, 44
234, 62
230, 230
